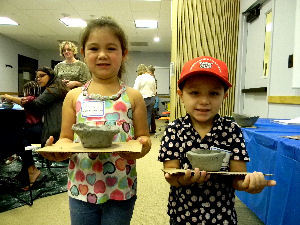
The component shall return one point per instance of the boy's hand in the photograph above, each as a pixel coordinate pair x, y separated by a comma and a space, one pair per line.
54, 156
255, 182
187, 179
146, 146
199, 177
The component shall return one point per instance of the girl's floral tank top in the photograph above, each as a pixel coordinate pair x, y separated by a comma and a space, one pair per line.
98, 177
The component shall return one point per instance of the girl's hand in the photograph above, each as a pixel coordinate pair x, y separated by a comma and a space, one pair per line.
54, 156
255, 182
146, 146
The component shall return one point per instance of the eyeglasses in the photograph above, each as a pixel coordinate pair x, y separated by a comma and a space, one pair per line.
41, 75
67, 50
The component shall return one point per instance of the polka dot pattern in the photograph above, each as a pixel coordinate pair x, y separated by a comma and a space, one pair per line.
213, 201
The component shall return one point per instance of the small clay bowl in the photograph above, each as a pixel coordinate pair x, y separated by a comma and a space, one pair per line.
95, 136
205, 159
244, 120
7, 105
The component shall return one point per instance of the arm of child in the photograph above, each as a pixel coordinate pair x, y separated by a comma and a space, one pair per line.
141, 130
184, 179
253, 182
66, 134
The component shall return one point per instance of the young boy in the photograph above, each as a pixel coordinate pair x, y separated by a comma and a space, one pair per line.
199, 198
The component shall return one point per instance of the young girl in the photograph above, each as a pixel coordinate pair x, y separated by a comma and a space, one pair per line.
199, 198
102, 187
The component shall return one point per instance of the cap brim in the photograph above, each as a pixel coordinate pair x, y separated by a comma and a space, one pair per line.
189, 75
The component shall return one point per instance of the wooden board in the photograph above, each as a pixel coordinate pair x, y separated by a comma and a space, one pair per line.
175, 171
130, 146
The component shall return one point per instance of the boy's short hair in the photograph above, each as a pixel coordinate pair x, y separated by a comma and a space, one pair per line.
205, 65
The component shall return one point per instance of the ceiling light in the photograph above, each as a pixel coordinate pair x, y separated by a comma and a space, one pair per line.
156, 39
7, 21
145, 23
73, 22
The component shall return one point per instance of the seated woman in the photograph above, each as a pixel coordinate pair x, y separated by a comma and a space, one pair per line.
49, 103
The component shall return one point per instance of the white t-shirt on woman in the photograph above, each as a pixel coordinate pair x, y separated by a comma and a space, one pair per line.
145, 83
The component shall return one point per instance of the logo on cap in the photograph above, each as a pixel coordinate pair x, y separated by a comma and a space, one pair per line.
205, 65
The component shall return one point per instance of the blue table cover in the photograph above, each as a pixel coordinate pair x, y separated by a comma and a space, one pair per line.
271, 153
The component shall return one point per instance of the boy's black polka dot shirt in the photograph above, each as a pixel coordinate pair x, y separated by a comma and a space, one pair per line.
213, 201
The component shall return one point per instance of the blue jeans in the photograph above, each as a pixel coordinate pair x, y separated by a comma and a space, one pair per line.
150, 101
111, 212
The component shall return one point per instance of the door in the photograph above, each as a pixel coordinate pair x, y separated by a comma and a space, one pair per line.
257, 38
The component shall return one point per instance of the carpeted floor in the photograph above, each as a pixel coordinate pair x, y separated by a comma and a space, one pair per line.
150, 208
50, 182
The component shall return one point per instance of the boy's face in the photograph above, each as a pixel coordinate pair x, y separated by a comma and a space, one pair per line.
202, 97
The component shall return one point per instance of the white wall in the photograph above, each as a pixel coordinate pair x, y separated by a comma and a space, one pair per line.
45, 57
283, 45
281, 77
9, 50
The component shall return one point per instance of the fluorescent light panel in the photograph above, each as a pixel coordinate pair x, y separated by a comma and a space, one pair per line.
7, 21
146, 24
73, 22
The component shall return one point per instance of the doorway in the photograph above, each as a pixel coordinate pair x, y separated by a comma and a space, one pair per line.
26, 71
256, 57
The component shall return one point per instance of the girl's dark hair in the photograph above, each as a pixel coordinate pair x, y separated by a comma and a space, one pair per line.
114, 27
31, 88
54, 81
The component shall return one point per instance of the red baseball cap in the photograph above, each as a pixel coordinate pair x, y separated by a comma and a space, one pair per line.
205, 65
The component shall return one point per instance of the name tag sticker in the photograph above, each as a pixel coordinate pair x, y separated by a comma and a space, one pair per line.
92, 108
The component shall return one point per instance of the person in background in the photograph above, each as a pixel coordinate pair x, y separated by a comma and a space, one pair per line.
199, 197
145, 83
72, 71
151, 70
48, 103
31, 133
102, 187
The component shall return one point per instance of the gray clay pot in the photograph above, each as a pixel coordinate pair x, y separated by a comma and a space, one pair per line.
7, 105
95, 136
205, 159
244, 120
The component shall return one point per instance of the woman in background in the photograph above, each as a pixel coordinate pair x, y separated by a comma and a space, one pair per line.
145, 83
49, 103
72, 71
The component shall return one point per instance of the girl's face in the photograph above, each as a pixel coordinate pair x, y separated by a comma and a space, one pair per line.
68, 52
42, 78
103, 54
202, 97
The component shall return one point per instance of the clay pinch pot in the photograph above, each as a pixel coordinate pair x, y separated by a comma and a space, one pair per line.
95, 136
244, 120
205, 159
7, 105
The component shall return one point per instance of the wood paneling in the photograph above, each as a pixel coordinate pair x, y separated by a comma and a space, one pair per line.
201, 27
295, 100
